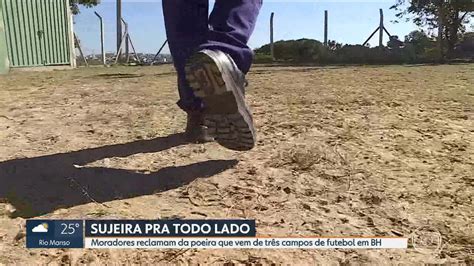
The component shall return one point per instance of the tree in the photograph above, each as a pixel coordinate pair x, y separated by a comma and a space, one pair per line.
466, 45
88, 3
419, 41
450, 15
394, 43
333, 45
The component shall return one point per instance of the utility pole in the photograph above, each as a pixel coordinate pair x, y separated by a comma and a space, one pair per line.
325, 28
381, 29
119, 24
102, 38
272, 45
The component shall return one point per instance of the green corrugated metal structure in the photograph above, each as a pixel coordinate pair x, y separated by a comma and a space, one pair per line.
37, 32
4, 63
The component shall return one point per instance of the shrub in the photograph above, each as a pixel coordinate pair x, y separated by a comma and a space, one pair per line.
417, 48
263, 59
301, 51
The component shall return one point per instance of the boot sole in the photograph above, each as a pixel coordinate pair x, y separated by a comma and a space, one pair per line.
227, 116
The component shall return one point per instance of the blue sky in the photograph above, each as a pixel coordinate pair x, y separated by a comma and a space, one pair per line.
349, 22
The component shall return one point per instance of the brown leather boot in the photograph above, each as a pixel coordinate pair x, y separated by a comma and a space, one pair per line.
196, 131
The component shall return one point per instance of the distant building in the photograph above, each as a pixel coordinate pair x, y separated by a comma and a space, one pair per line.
35, 33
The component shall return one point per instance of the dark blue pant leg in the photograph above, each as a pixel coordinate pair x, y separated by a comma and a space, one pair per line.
186, 24
232, 22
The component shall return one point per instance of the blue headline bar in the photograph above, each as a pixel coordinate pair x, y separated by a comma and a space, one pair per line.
170, 228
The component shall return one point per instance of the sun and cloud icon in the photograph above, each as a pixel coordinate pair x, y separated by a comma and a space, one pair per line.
41, 228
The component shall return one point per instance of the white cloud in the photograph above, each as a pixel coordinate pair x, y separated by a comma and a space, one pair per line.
40, 229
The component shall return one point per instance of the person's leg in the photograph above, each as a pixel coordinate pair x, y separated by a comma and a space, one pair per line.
231, 24
217, 73
186, 23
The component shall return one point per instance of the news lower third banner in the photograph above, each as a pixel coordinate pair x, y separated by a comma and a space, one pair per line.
177, 234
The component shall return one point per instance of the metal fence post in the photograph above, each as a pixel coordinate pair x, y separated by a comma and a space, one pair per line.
102, 38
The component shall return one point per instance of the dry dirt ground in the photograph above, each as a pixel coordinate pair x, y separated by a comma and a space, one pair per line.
351, 151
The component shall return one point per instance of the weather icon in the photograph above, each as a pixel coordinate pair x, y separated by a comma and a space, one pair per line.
41, 228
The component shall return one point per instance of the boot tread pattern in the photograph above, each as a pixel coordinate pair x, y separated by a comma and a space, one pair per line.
231, 130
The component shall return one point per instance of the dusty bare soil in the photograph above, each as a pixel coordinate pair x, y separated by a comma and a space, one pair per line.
344, 151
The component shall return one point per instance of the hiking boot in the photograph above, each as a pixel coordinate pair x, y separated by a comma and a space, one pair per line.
215, 78
196, 131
